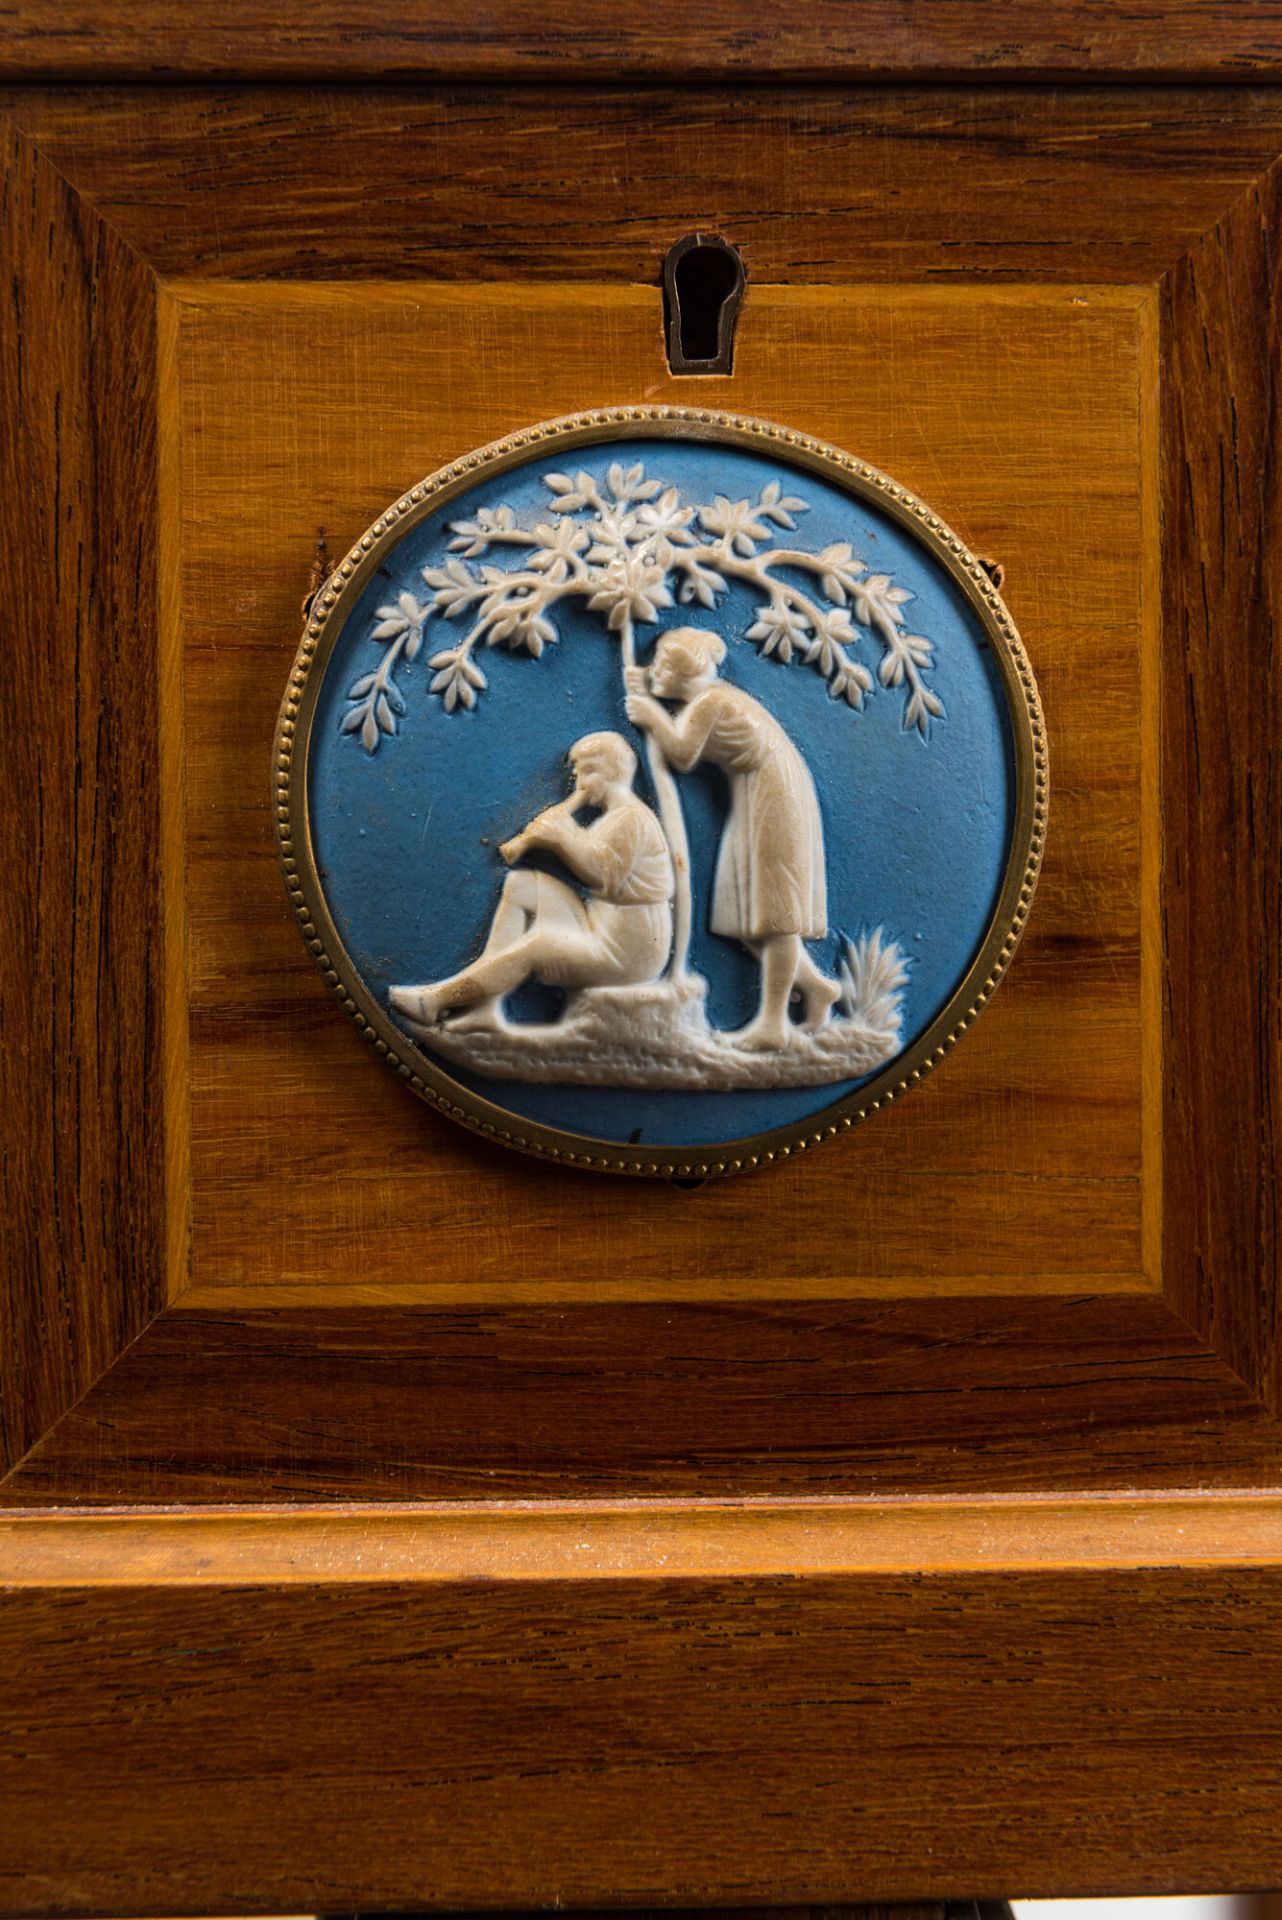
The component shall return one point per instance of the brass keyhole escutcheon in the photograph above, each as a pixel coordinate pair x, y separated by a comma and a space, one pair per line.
703, 284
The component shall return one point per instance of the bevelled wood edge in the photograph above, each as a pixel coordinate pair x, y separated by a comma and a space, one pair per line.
80, 1090
492, 1743
1221, 429
657, 40
640, 1540
819, 184
787, 1399
114, 360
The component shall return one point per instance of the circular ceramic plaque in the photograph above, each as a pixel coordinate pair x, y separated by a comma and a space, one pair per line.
661, 792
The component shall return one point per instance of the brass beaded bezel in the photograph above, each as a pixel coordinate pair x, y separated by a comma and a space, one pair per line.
335, 600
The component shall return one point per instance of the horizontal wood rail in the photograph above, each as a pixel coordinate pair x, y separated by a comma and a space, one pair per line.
656, 40
646, 1539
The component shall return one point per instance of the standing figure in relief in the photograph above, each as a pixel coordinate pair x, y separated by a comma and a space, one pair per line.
543, 929
770, 890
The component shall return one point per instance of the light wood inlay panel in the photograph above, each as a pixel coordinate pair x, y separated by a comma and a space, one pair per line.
1017, 414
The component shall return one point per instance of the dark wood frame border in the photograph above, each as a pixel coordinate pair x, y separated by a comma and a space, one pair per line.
822, 40
112, 1401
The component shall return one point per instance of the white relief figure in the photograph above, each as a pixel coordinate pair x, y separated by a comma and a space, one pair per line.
620, 934
617, 933
630, 1019
770, 890
625, 545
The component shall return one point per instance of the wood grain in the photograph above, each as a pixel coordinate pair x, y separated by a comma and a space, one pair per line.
278, 1713
539, 183
647, 39
1017, 416
791, 1399
1222, 781
652, 1540
461, 1742
80, 963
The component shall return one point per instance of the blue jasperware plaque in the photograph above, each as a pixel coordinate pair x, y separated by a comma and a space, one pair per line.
661, 791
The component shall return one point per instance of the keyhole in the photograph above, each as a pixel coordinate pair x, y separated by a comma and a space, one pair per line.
703, 282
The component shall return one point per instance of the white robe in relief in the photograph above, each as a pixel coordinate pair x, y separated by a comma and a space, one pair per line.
770, 868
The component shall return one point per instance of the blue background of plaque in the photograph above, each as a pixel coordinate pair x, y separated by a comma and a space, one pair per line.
916, 832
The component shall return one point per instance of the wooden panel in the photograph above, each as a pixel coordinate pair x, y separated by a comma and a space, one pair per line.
813, 185
353, 1711
248, 1740
1028, 1694
791, 1400
80, 972
1017, 415
525, 39
1222, 823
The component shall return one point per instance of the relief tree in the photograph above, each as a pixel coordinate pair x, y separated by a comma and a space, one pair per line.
626, 547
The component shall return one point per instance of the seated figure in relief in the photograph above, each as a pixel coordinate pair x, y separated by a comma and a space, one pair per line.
770, 888
618, 932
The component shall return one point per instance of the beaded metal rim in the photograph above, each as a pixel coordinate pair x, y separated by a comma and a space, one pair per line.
325, 621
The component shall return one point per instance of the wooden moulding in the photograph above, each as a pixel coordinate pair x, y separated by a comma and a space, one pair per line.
424, 1709
654, 1540
1222, 781
1099, 185
80, 983
797, 1572
824, 40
